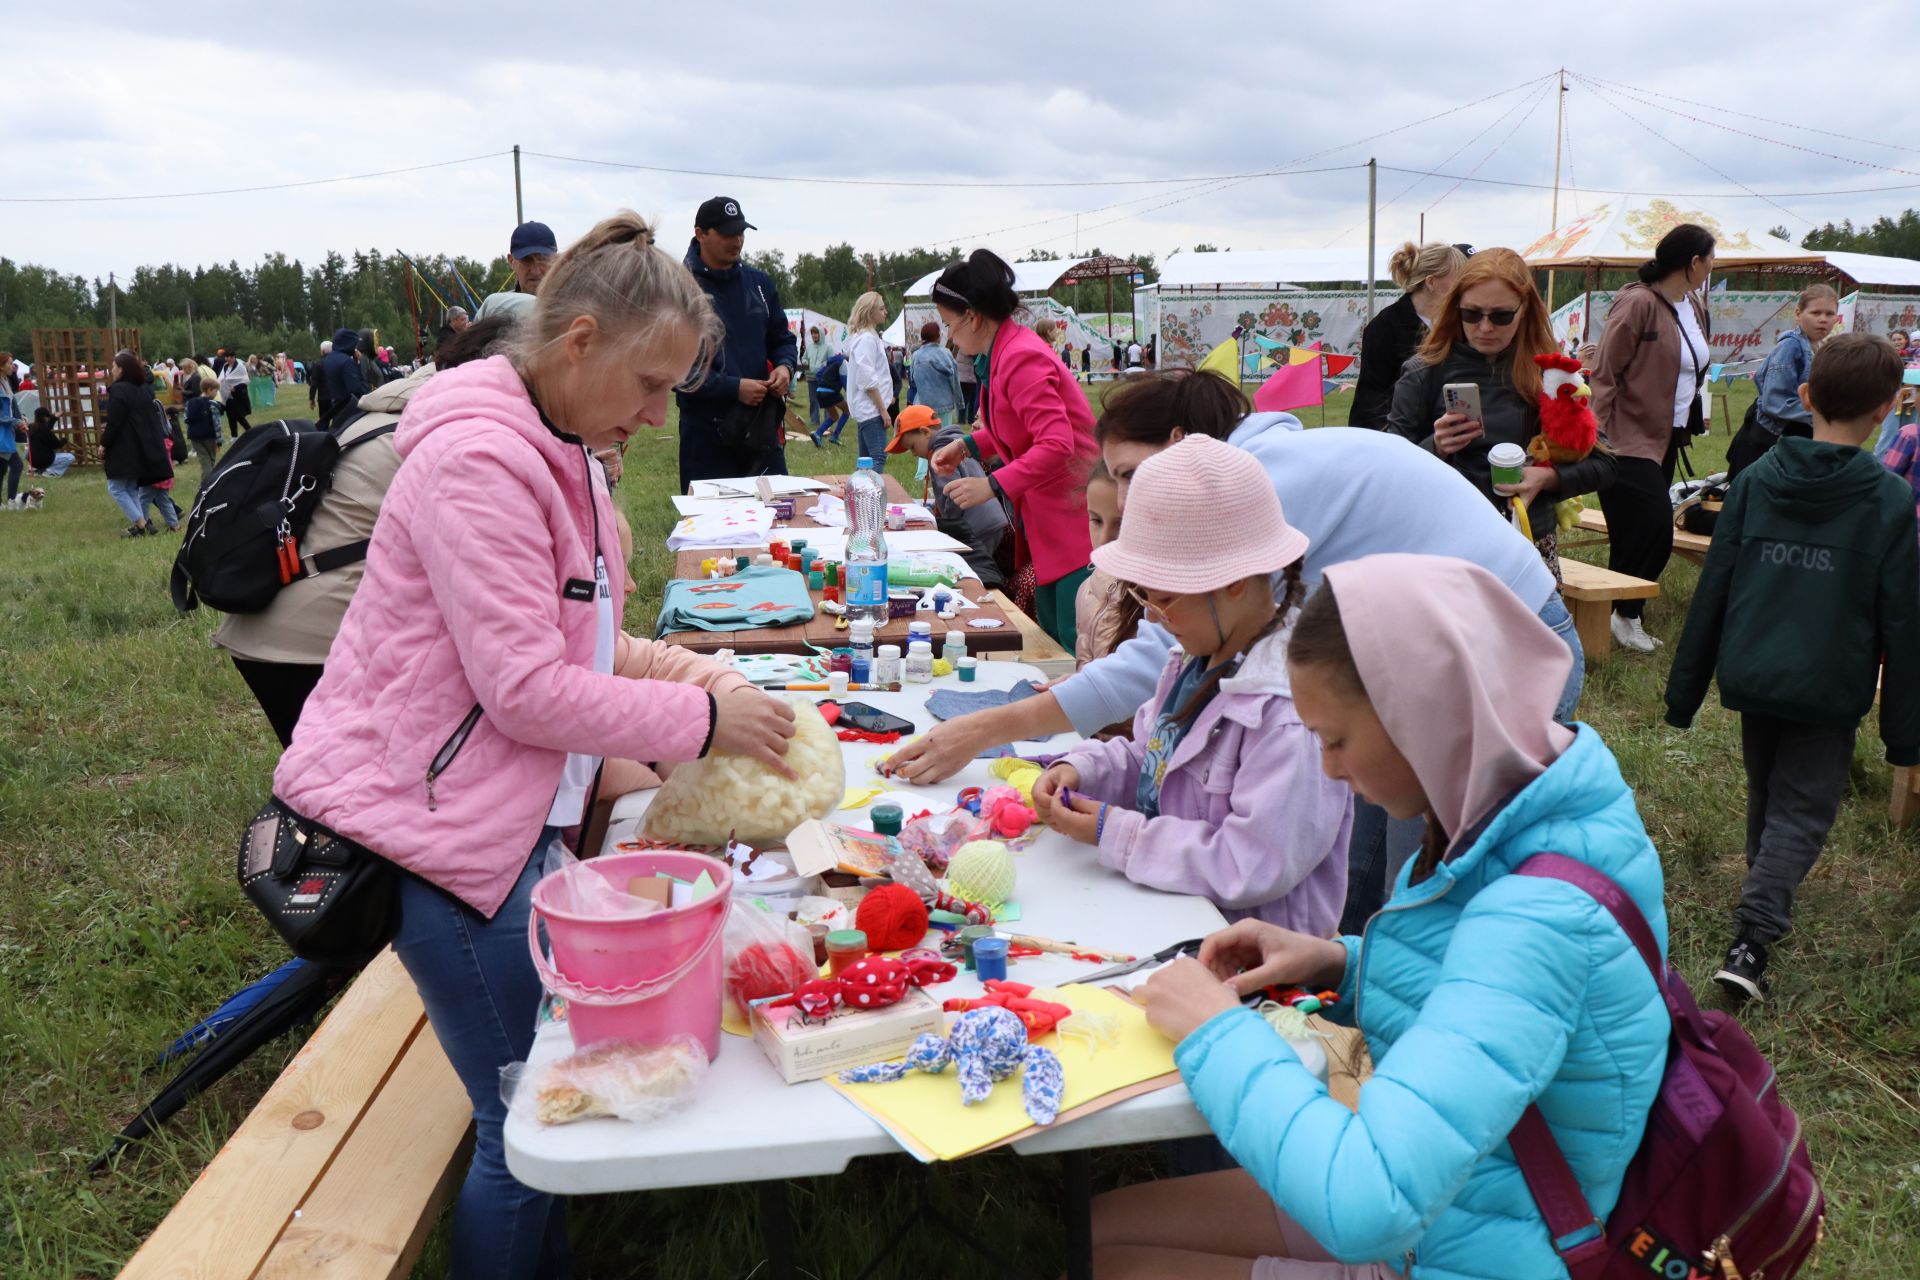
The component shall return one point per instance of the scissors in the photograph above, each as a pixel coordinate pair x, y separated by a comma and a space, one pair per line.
1191, 947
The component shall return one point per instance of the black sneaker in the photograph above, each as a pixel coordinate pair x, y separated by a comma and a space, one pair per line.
1744, 972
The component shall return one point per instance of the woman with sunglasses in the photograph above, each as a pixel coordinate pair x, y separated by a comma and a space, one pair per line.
1491, 327
1219, 791
1034, 417
1646, 392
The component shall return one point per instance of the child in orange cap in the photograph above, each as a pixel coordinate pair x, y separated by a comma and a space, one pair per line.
918, 431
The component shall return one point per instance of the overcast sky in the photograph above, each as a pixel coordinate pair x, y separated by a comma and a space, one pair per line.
117, 103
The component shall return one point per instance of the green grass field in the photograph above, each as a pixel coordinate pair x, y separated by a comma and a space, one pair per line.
131, 754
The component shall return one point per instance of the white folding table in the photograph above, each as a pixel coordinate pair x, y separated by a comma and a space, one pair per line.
746, 1125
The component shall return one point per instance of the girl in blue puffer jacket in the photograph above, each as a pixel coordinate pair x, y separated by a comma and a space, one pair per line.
1432, 690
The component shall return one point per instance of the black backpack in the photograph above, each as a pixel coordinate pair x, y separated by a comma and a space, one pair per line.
242, 540
831, 375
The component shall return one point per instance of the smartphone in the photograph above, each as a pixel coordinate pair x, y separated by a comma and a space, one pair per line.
1462, 398
871, 719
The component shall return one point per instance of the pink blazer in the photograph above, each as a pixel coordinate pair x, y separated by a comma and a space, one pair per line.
467, 600
1036, 419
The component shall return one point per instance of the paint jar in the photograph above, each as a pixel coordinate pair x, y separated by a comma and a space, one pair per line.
816, 581
808, 557
918, 630
845, 947
841, 660
887, 819
955, 647
919, 663
862, 669
967, 669
990, 959
739, 563
886, 665
778, 550
763, 558
971, 934
941, 598
837, 682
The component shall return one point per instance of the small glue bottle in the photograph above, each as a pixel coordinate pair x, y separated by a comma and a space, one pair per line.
886, 667
860, 637
920, 662
955, 647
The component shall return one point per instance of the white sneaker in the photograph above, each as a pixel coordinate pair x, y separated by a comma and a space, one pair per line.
1628, 633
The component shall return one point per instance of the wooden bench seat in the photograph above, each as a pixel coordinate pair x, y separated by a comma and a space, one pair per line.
1590, 592
345, 1164
1688, 546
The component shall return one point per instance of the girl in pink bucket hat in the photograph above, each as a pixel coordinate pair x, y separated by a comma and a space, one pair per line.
1219, 791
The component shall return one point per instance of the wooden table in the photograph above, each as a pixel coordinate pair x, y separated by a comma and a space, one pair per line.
820, 630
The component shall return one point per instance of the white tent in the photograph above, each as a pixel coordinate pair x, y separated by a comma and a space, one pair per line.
1294, 296
1623, 232
1028, 277
1873, 268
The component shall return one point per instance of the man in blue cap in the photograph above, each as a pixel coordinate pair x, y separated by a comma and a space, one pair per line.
734, 423
530, 254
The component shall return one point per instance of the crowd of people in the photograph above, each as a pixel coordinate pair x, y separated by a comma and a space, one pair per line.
1342, 705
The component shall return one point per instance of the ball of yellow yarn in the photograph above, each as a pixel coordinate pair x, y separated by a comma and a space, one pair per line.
981, 871
1018, 774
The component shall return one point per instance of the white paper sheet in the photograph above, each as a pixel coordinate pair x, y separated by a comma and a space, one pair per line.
748, 486
743, 526
686, 506
832, 543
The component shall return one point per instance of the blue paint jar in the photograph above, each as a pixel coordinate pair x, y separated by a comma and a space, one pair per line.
990, 959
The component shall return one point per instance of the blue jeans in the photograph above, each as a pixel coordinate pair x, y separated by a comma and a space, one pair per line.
61, 461
873, 439
1381, 844
134, 499
813, 404
13, 464
482, 996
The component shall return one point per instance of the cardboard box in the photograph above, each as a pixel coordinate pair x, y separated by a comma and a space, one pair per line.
802, 1050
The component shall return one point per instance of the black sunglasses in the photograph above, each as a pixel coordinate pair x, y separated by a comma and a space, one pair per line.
1503, 317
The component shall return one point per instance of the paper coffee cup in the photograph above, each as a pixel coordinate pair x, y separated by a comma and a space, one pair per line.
1507, 462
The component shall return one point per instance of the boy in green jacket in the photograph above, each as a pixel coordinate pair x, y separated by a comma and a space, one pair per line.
1812, 583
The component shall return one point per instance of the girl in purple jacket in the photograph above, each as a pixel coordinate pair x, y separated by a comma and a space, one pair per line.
1220, 791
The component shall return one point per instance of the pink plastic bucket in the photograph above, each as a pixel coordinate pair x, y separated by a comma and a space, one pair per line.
644, 978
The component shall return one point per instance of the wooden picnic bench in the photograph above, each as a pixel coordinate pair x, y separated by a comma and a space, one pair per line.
1590, 592
1688, 546
343, 1167
820, 631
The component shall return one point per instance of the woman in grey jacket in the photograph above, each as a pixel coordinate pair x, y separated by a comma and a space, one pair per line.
936, 378
1487, 333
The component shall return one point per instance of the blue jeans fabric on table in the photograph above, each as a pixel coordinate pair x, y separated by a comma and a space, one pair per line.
482, 996
872, 433
945, 704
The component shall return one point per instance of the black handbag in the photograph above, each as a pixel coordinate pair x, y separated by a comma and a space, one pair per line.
754, 426
332, 900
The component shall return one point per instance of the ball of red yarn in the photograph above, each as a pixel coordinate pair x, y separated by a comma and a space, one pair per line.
892, 917
766, 969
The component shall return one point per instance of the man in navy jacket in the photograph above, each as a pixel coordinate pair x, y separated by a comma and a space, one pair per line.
756, 360
345, 382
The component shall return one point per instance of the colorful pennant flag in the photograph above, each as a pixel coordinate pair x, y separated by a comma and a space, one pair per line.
1337, 365
1224, 360
1290, 387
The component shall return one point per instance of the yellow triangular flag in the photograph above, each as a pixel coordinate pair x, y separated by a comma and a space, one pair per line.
1301, 355
1224, 360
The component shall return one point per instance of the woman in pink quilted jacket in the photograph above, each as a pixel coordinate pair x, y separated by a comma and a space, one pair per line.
471, 692
1035, 419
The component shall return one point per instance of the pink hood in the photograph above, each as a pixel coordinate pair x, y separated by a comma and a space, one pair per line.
463, 603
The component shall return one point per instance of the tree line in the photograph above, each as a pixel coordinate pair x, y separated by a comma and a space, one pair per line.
283, 304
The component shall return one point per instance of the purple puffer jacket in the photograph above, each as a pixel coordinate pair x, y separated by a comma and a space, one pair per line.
1247, 817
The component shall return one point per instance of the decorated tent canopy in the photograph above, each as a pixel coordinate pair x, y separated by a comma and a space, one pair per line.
1623, 231
1028, 277
1873, 268
801, 319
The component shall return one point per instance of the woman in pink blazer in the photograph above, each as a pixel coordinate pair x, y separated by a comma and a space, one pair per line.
1035, 419
471, 693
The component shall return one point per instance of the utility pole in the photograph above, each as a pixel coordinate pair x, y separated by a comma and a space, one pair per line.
519, 209
1559, 132
113, 307
1373, 214
192, 346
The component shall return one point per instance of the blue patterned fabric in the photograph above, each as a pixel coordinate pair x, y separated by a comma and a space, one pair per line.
985, 1046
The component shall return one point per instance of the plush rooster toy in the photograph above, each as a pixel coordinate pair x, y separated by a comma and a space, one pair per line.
1568, 428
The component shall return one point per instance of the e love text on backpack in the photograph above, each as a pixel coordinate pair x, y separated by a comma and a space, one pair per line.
1722, 1187
242, 540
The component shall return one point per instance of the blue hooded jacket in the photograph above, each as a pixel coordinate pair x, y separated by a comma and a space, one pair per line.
757, 335
1478, 991
344, 382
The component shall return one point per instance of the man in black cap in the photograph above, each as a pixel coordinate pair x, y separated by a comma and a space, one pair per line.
530, 253
727, 428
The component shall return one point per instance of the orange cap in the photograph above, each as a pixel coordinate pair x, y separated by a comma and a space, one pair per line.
915, 417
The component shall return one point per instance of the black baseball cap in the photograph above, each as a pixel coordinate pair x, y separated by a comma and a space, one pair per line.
722, 214
531, 238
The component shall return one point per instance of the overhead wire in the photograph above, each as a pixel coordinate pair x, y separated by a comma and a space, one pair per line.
234, 191
1746, 115
1536, 101
1705, 164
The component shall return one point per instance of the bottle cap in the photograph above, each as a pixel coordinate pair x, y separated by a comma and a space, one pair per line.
890, 651
847, 940
864, 464
919, 647
887, 819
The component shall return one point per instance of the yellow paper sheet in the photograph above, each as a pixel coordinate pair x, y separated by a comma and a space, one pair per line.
925, 1114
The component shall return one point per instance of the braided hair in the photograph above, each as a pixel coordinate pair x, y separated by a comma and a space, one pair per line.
1290, 593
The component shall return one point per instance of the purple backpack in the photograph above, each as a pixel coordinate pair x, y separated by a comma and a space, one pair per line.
1722, 1185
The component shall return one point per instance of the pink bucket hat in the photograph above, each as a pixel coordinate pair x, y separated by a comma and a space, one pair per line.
1200, 515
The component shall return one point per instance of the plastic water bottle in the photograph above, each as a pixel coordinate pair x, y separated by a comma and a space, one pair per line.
867, 546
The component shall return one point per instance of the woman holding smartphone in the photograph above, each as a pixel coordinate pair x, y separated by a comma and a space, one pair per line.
1473, 385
